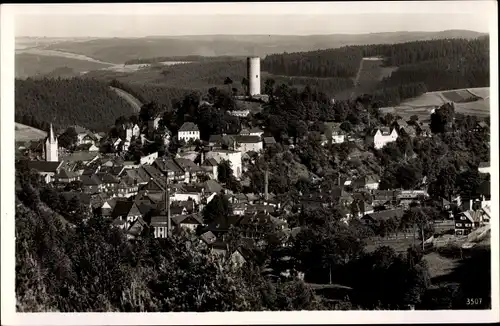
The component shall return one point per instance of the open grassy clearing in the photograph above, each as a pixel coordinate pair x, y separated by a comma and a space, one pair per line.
33, 65
27, 133
424, 104
370, 74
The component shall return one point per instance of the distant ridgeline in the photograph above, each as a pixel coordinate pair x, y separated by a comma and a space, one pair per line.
64, 102
422, 65
189, 58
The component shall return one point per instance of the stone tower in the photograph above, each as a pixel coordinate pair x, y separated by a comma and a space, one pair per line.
253, 75
51, 147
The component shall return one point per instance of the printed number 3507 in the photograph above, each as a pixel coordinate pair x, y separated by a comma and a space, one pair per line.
474, 301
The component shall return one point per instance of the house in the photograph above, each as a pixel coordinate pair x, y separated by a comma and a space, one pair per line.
376, 217
234, 157
239, 113
127, 187
171, 169
245, 132
159, 224
208, 238
269, 141
255, 131
154, 123
465, 222
363, 208
84, 136
370, 182
404, 128
125, 211
423, 130
191, 170
136, 228
65, 176
115, 142
248, 143
109, 182
85, 157
188, 222
188, 131
384, 136
89, 147
148, 159
166, 136
108, 206
334, 132
136, 130
484, 167
239, 208
221, 141
481, 127
210, 167
48, 170
91, 184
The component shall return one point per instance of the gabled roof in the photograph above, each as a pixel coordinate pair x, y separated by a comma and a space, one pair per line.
63, 174
210, 162
212, 186
91, 180
385, 215
187, 219
43, 166
189, 126
83, 156
208, 237
484, 165
247, 139
188, 165
255, 130
124, 208
244, 131
108, 178
269, 140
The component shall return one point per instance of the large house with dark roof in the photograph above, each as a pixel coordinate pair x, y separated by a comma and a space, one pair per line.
48, 170
248, 143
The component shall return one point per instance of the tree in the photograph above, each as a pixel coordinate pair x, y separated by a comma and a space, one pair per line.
442, 118
224, 171
149, 111
68, 138
217, 209
245, 84
269, 86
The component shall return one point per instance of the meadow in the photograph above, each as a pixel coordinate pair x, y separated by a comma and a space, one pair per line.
25, 133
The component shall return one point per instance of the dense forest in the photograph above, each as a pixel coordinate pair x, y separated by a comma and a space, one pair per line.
423, 65
64, 102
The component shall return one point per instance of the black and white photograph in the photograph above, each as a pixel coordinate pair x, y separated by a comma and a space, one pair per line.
250, 157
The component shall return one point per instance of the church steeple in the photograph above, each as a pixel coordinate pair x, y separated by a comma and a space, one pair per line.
51, 147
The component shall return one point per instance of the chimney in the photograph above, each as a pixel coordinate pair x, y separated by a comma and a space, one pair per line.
266, 185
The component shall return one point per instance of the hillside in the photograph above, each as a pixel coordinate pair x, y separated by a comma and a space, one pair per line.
36, 65
472, 101
27, 133
88, 103
120, 50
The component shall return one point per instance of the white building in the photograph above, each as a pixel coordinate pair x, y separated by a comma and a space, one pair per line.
153, 124
239, 113
248, 143
128, 134
234, 157
136, 130
149, 159
484, 167
189, 131
51, 147
384, 136
335, 133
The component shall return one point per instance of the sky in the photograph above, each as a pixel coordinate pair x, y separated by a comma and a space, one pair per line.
138, 20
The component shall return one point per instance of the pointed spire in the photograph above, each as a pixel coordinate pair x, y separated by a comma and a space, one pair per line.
51, 134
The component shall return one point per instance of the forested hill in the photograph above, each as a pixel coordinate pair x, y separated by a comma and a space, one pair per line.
85, 102
420, 66
457, 57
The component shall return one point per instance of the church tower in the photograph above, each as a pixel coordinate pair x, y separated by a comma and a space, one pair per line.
51, 147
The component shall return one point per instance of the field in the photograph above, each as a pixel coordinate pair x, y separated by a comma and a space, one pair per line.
120, 50
35, 65
371, 72
26, 133
424, 104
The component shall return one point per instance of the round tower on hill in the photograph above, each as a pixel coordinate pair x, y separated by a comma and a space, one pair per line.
253, 75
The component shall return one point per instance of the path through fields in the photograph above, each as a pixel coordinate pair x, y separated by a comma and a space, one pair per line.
356, 79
